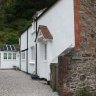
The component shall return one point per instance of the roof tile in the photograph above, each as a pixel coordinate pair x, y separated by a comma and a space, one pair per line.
45, 32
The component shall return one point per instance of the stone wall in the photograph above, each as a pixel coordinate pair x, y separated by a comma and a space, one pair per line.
78, 68
82, 71
63, 75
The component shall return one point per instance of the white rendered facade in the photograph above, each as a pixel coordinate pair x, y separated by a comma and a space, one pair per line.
60, 21
9, 61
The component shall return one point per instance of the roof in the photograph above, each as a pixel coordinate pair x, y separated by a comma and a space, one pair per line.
6, 47
41, 13
45, 32
46, 10
38, 13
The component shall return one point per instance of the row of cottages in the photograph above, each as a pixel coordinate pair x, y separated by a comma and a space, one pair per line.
9, 56
66, 35
56, 33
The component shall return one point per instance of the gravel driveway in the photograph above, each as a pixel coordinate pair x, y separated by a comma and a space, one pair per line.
17, 83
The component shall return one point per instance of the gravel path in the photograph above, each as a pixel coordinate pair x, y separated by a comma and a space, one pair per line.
17, 83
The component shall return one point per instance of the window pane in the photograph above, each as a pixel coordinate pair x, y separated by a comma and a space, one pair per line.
14, 55
9, 55
5, 55
45, 52
33, 53
23, 55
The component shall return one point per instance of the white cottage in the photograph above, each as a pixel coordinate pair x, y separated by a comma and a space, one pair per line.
9, 56
56, 33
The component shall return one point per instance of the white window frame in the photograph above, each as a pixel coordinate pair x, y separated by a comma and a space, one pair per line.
15, 56
23, 55
10, 56
4, 56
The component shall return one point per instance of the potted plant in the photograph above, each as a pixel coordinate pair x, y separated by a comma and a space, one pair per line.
16, 68
34, 76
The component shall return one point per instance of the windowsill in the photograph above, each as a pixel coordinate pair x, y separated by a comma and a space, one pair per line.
45, 61
23, 60
32, 63
9, 59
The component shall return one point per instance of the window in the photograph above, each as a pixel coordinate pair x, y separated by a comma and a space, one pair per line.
14, 55
9, 55
5, 55
23, 55
45, 51
33, 53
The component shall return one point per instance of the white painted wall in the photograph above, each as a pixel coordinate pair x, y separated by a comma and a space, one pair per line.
23, 65
31, 39
6, 64
60, 22
23, 62
24, 41
23, 47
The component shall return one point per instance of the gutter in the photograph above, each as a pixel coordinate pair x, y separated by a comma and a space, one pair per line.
27, 54
36, 45
20, 52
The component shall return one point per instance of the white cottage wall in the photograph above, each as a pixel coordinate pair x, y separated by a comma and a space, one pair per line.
9, 63
24, 41
60, 22
31, 43
23, 47
23, 62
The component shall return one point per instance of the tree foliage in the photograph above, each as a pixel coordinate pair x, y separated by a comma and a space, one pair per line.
11, 38
16, 16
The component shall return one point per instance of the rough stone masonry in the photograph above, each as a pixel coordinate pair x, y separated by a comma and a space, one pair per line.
78, 68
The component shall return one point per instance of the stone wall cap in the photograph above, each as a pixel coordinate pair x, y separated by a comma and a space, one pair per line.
66, 51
